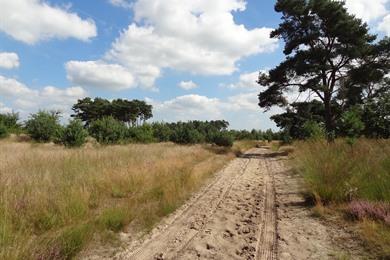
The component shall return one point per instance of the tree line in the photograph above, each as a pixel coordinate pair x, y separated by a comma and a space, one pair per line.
122, 121
332, 56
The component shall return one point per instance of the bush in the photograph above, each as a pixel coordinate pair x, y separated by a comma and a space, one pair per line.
140, 134
223, 139
162, 132
3, 131
10, 121
187, 135
108, 130
43, 126
313, 130
74, 134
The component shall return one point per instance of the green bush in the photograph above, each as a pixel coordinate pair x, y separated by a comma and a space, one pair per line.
3, 131
44, 126
140, 134
161, 132
74, 134
108, 130
223, 139
10, 121
313, 130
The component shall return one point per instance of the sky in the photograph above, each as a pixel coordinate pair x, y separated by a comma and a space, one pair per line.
190, 59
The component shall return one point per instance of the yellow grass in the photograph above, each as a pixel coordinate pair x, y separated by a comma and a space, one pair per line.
54, 200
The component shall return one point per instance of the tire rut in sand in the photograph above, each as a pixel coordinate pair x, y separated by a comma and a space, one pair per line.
168, 240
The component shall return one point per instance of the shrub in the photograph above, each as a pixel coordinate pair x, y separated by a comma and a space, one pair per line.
140, 134
3, 131
223, 139
74, 134
187, 135
108, 130
162, 132
313, 130
43, 126
10, 121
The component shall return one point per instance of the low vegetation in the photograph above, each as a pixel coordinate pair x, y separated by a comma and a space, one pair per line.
354, 177
54, 200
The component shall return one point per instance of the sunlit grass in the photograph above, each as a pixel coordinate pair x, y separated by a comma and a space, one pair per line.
54, 200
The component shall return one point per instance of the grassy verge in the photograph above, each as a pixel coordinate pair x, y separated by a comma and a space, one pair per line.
54, 200
355, 179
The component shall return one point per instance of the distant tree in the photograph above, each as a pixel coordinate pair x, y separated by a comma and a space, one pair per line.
131, 112
44, 126
327, 52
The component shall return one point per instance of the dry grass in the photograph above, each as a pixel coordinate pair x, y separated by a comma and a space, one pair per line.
54, 200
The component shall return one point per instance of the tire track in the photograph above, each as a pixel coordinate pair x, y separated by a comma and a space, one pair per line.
267, 241
185, 225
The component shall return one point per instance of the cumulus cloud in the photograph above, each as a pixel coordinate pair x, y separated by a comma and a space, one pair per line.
4, 109
207, 42
385, 25
121, 3
187, 85
99, 74
367, 10
240, 110
31, 21
9, 60
246, 81
26, 100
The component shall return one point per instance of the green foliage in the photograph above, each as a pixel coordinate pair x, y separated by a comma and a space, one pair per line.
376, 117
313, 130
351, 123
3, 131
43, 126
108, 130
329, 53
224, 139
10, 121
140, 134
74, 134
162, 132
131, 112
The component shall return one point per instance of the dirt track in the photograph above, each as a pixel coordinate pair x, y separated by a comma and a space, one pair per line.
253, 209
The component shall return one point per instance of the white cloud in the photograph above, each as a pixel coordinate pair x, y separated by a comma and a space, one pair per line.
187, 85
9, 60
368, 11
240, 110
4, 109
26, 100
31, 21
121, 3
99, 74
246, 81
207, 42
385, 25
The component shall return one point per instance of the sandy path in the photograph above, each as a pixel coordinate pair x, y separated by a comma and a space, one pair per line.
251, 210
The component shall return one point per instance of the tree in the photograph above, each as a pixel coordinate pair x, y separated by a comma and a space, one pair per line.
132, 112
325, 48
43, 126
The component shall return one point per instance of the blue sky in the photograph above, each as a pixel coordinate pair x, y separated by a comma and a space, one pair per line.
190, 59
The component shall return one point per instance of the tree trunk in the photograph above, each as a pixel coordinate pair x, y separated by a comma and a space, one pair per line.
329, 126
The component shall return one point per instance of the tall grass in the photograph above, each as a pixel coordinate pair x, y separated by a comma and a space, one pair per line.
354, 178
339, 172
54, 200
